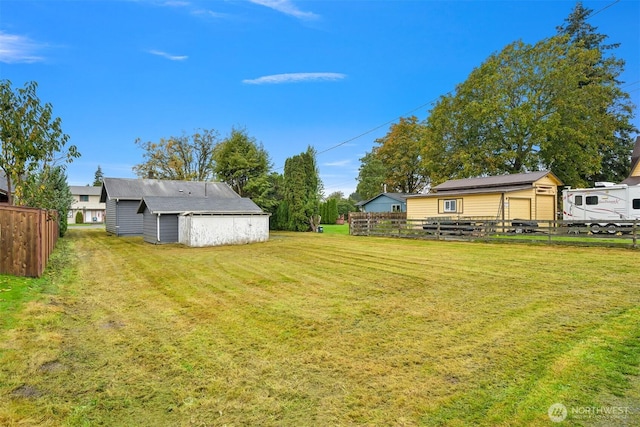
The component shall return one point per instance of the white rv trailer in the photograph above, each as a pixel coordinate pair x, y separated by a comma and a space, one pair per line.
607, 206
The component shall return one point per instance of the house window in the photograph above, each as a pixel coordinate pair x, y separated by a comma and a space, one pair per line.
395, 208
450, 206
636, 203
591, 200
578, 200
84, 198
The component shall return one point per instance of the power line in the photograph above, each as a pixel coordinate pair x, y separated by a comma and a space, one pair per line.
333, 147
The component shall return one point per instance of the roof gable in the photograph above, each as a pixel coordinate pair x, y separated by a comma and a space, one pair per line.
635, 160
136, 189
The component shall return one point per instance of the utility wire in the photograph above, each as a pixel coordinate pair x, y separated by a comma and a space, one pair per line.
333, 147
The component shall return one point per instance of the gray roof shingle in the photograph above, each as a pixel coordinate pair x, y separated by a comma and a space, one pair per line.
492, 181
85, 190
136, 189
400, 197
200, 205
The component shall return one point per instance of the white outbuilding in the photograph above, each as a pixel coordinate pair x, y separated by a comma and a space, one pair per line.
203, 221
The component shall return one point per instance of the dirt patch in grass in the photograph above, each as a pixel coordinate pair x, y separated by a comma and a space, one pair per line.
26, 392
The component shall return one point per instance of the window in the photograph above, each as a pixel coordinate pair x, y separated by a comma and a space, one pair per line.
578, 200
636, 203
591, 200
84, 198
450, 206
395, 208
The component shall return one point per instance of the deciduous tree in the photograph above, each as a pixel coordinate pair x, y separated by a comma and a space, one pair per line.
400, 152
188, 158
525, 109
371, 175
47, 188
30, 136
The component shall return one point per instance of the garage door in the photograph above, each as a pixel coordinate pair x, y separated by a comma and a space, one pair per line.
519, 208
545, 207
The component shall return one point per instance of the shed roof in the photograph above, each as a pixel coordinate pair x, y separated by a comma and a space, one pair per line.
494, 181
452, 193
198, 205
632, 180
85, 190
400, 197
136, 189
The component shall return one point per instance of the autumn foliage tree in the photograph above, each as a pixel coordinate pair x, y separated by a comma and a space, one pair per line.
187, 157
396, 163
400, 152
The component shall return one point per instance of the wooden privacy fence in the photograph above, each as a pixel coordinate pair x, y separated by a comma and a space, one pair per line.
27, 239
622, 233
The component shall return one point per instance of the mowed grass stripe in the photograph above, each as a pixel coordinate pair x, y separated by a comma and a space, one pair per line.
311, 329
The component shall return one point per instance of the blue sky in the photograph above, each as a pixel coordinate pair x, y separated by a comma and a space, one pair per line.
331, 74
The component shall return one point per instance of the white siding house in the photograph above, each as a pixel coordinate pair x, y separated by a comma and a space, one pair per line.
86, 199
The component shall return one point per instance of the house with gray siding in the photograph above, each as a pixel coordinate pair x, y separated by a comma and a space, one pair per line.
4, 188
203, 221
385, 202
122, 197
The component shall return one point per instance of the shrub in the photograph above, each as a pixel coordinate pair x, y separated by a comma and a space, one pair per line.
79, 218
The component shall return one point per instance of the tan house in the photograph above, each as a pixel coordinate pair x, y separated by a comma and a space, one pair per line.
526, 196
86, 200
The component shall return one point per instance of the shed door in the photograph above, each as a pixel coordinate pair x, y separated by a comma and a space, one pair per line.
519, 208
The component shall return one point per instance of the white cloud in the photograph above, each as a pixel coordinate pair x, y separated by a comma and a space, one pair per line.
295, 78
176, 3
18, 49
339, 163
168, 56
210, 14
286, 7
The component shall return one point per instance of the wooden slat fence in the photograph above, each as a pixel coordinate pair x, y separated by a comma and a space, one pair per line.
622, 233
27, 239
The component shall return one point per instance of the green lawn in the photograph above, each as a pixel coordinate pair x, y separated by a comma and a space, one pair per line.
322, 329
336, 229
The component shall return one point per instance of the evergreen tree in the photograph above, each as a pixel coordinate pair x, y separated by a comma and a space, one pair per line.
244, 164
615, 152
301, 194
98, 177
